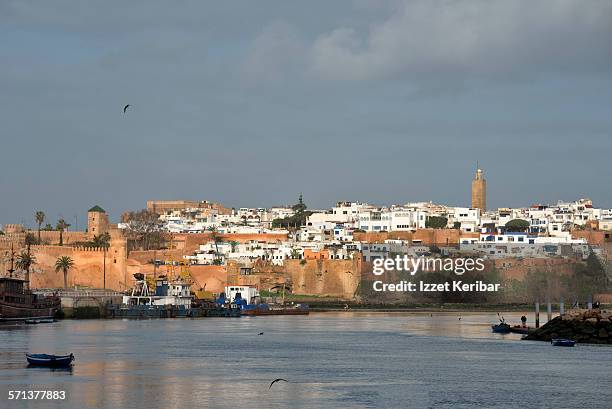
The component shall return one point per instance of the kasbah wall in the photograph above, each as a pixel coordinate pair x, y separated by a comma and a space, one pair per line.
331, 278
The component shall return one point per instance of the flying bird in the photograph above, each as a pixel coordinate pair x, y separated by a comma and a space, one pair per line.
125, 108
261, 333
276, 380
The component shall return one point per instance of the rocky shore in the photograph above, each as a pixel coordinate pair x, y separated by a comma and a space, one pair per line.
584, 326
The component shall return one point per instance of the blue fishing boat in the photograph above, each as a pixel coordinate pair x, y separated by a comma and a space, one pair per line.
501, 328
562, 342
52, 361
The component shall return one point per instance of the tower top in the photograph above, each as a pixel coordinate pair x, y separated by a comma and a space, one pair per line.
96, 209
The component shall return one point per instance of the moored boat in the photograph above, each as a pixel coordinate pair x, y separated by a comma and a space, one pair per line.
501, 328
52, 361
248, 300
562, 342
265, 309
18, 303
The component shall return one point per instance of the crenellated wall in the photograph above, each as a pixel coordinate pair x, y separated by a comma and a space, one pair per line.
88, 267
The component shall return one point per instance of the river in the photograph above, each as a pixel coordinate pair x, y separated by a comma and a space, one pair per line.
331, 360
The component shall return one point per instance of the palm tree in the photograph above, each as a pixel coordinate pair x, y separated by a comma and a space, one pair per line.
64, 263
214, 235
234, 244
61, 226
24, 262
30, 240
40, 219
101, 240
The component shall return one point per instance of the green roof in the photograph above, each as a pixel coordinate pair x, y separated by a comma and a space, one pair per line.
97, 209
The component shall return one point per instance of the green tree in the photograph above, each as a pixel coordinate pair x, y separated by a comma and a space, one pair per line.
64, 264
300, 206
40, 219
24, 262
102, 240
61, 226
436, 222
295, 221
517, 225
234, 244
588, 278
30, 240
216, 238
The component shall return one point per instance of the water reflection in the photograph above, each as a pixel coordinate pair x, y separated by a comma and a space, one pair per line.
344, 359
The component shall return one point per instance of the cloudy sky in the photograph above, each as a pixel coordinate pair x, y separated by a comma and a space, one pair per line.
249, 103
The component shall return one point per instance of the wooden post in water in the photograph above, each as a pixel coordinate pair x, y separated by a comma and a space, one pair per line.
549, 310
537, 313
561, 307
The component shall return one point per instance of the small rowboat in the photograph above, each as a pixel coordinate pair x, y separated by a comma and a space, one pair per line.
562, 342
53, 361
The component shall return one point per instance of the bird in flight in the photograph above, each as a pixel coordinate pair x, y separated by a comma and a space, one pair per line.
261, 333
277, 380
125, 108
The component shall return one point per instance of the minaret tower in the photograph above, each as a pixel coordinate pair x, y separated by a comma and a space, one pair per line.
479, 191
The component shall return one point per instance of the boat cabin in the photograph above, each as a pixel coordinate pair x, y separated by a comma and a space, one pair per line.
250, 294
12, 290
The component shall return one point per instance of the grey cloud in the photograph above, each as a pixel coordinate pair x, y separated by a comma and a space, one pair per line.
468, 39
276, 52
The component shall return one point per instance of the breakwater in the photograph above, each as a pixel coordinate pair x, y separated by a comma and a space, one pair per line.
583, 326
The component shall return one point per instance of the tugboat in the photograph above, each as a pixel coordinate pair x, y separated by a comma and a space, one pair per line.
18, 303
172, 298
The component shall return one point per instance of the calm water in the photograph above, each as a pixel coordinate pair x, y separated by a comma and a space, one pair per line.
347, 359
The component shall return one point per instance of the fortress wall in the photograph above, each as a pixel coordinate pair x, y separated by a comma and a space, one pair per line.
426, 236
517, 269
337, 278
594, 237
52, 237
88, 267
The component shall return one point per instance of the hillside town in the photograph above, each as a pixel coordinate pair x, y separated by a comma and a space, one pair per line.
322, 252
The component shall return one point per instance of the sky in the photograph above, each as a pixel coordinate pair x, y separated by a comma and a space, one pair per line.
250, 103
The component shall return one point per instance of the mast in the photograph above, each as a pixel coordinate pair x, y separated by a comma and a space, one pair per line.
12, 269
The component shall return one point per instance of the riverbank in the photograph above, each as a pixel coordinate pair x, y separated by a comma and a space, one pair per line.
446, 307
